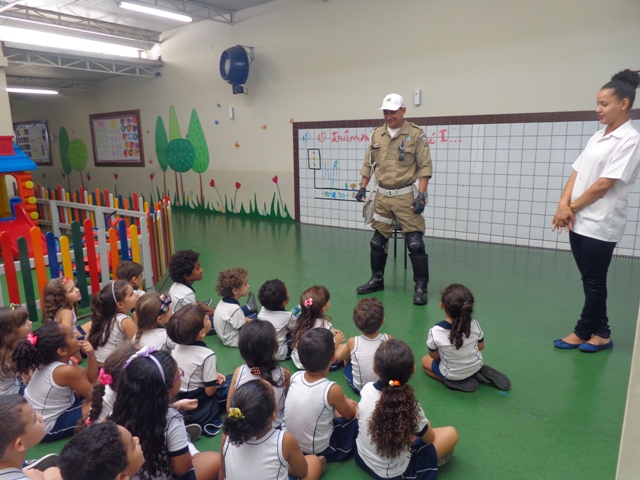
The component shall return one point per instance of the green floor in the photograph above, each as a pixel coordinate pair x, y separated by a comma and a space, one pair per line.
563, 417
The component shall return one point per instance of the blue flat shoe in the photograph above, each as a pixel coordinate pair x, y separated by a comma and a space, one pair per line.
566, 346
590, 348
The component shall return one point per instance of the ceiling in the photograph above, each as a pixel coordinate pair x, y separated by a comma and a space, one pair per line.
64, 70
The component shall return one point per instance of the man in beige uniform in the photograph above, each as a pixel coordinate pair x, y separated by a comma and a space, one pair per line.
398, 155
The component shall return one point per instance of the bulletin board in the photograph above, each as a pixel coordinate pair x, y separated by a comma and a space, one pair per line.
117, 139
33, 139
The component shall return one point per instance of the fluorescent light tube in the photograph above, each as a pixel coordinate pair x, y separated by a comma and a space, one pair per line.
53, 40
153, 10
37, 91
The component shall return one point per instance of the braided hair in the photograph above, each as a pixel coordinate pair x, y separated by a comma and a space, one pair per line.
458, 305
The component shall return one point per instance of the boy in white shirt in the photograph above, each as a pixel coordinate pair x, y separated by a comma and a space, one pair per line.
229, 316
274, 296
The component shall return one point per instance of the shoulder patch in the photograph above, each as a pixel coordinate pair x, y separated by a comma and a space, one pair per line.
423, 137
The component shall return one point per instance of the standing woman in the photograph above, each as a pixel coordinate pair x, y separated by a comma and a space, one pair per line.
593, 207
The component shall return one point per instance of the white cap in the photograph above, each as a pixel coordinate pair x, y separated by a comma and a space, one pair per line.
392, 102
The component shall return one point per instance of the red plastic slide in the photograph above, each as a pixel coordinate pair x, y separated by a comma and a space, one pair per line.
20, 226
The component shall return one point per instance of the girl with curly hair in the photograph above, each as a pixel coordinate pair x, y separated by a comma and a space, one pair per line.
150, 382
314, 304
61, 297
455, 344
391, 418
14, 326
251, 444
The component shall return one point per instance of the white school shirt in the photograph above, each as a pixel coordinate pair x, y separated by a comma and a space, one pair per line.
364, 349
307, 413
116, 338
283, 321
199, 364
256, 458
12, 474
228, 319
456, 364
108, 400
181, 295
245, 375
383, 467
320, 323
10, 384
74, 316
157, 338
47, 397
176, 440
616, 155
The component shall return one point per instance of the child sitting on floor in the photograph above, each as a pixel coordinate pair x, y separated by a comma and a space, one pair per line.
316, 410
200, 378
104, 451
229, 316
455, 344
258, 345
61, 299
154, 311
14, 326
368, 315
273, 296
131, 272
314, 304
395, 439
185, 270
252, 448
55, 383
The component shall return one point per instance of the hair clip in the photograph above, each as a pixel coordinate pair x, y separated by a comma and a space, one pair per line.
166, 303
235, 413
65, 279
88, 421
32, 339
13, 306
113, 291
308, 302
145, 352
255, 371
394, 383
105, 378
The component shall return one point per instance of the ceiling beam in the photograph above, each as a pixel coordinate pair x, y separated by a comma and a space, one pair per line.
193, 9
45, 17
52, 83
96, 63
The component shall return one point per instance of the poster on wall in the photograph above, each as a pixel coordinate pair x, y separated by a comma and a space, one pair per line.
117, 139
33, 139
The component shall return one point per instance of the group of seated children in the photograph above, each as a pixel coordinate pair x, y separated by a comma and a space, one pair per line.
151, 384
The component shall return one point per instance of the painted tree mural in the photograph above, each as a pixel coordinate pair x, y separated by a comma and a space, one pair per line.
63, 142
196, 137
180, 156
174, 134
78, 156
161, 150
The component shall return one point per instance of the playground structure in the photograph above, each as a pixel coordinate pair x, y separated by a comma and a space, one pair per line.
90, 233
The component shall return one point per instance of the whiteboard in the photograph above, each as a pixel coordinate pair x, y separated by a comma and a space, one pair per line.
496, 178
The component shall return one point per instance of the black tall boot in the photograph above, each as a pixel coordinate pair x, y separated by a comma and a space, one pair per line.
420, 277
376, 282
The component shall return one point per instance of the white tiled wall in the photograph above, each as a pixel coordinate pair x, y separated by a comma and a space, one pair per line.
496, 183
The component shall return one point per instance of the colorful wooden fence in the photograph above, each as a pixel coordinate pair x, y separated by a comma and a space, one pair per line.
97, 238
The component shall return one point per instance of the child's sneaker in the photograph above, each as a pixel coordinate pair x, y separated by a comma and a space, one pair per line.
251, 304
467, 385
445, 458
194, 431
494, 377
208, 301
212, 429
43, 463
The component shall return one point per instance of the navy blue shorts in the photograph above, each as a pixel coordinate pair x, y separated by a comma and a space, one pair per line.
348, 374
343, 440
422, 466
435, 368
66, 423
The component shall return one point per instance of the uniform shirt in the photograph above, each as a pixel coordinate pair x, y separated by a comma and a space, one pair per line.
176, 440
228, 319
181, 295
116, 338
283, 321
12, 474
245, 375
364, 349
320, 323
47, 397
199, 364
616, 155
10, 384
263, 455
391, 173
307, 413
74, 317
157, 338
456, 364
108, 399
383, 467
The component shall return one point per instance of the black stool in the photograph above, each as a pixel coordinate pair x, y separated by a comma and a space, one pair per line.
397, 229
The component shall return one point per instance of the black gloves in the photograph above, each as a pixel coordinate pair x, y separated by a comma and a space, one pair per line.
361, 194
419, 202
